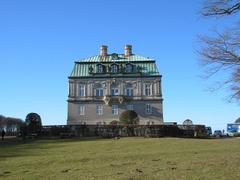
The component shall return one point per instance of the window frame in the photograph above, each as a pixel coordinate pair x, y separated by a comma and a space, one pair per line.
148, 109
114, 109
148, 89
114, 68
99, 92
113, 89
99, 109
81, 90
131, 90
100, 68
129, 68
130, 105
71, 89
81, 110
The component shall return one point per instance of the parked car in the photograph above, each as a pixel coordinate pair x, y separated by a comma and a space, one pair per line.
218, 133
208, 131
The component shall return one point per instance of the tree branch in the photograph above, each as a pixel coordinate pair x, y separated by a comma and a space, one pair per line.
220, 7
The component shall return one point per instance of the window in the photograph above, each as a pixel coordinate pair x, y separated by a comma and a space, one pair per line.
114, 68
148, 89
148, 109
99, 110
150, 123
71, 89
130, 107
115, 91
81, 110
115, 109
129, 68
129, 91
90, 69
99, 92
81, 90
99, 68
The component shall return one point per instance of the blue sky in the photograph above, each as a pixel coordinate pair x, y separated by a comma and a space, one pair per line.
40, 40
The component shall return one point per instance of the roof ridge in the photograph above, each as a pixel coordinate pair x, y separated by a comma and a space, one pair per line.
115, 57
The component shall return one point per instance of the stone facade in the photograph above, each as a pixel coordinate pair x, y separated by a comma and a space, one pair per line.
102, 87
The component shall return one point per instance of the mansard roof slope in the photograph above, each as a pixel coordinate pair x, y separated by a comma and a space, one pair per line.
114, 57
147, 65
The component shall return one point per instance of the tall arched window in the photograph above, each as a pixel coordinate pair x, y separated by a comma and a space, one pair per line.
99, 90
129, 90
148, 89
81, 90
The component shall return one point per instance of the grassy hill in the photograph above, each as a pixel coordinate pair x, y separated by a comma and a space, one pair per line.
126, 158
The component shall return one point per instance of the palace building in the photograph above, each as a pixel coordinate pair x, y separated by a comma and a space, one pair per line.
101, 87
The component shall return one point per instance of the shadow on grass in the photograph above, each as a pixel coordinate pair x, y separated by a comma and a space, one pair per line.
16, 147
13, 141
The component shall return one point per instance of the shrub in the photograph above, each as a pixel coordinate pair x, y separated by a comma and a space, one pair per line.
237, 121
114, 122
128, 117
187, 122
33, 123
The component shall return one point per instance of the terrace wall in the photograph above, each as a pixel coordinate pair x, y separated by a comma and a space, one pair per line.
109, 131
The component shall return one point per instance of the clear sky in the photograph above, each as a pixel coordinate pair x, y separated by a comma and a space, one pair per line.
40, 40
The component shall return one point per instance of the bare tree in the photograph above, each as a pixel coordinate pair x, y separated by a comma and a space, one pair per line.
236, 85
220, 7
222, 51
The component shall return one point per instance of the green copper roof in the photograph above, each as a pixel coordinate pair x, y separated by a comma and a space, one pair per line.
115, 58
145, 66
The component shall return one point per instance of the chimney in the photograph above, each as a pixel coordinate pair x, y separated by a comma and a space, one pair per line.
128, 50
103, 50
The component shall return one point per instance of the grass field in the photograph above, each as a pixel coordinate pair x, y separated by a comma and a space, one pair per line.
126, 158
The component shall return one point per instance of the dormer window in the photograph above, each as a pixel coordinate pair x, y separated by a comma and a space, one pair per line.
138, 69
90, 69
129, 68
114, 68
99, 68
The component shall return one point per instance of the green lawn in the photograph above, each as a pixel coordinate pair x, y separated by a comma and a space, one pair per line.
126, 158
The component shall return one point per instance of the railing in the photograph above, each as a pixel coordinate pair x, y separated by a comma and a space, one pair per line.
119, 98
